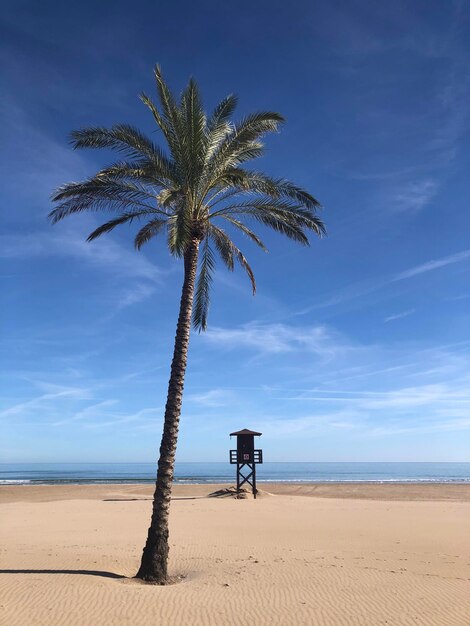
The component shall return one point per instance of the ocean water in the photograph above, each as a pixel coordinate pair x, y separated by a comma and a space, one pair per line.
197, 473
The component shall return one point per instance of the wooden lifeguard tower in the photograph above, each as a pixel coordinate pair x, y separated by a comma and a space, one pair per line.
246, 456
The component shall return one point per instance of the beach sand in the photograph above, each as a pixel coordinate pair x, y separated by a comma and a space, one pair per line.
310, 554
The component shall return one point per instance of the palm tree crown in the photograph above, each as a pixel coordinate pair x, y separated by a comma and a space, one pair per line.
194, 188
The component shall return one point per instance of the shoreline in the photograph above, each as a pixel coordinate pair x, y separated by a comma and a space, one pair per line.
181, 483
396, 491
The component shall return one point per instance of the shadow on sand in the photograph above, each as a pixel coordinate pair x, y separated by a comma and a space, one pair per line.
147, 499
85, 572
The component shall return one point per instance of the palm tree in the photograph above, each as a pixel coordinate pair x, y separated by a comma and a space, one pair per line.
187, 191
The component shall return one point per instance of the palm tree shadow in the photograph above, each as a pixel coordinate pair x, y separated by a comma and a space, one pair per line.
150, 499
84, 572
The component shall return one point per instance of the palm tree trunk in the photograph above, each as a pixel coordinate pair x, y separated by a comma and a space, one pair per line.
154, 564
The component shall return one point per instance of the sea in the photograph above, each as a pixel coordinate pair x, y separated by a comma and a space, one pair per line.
206, 473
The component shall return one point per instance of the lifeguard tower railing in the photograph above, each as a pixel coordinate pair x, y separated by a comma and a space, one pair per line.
238, 457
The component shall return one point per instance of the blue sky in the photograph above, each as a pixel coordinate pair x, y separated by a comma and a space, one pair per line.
357, 348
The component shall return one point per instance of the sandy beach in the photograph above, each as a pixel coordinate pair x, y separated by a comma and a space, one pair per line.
308, 554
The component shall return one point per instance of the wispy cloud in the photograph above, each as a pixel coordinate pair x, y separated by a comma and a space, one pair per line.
212, 398
365, 288
280, 338
108, 254
134, 295
425, 145
39, 402
144, 417
37, 163
407, 398
399, 316
415, 195
432, 265
91, 412
464, 296
308, 424
425, 408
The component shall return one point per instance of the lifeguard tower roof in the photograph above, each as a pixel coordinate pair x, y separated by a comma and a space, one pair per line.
245, 431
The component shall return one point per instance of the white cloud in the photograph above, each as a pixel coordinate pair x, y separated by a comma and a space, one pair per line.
37, 162
399, 316
143, 417
136, 294
42, 401
464, 296
415, 195
425, 408
106, 254
212, 398
410, 397
276, 428
92, 412
432, 265
365, 288
280, 338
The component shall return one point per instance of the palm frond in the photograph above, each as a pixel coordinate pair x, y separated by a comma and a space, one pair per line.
249, 233
111, 225
218, 125
156, 172
173, 122
247, 132
258, 182
179, 230
224, 246
156, 115
257, 202
229, 251
147, 232
122, 137
195, 130
169, 198
246, 151
98, 194
222, 112
282, 225
284, 210
280, 216
203, 284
